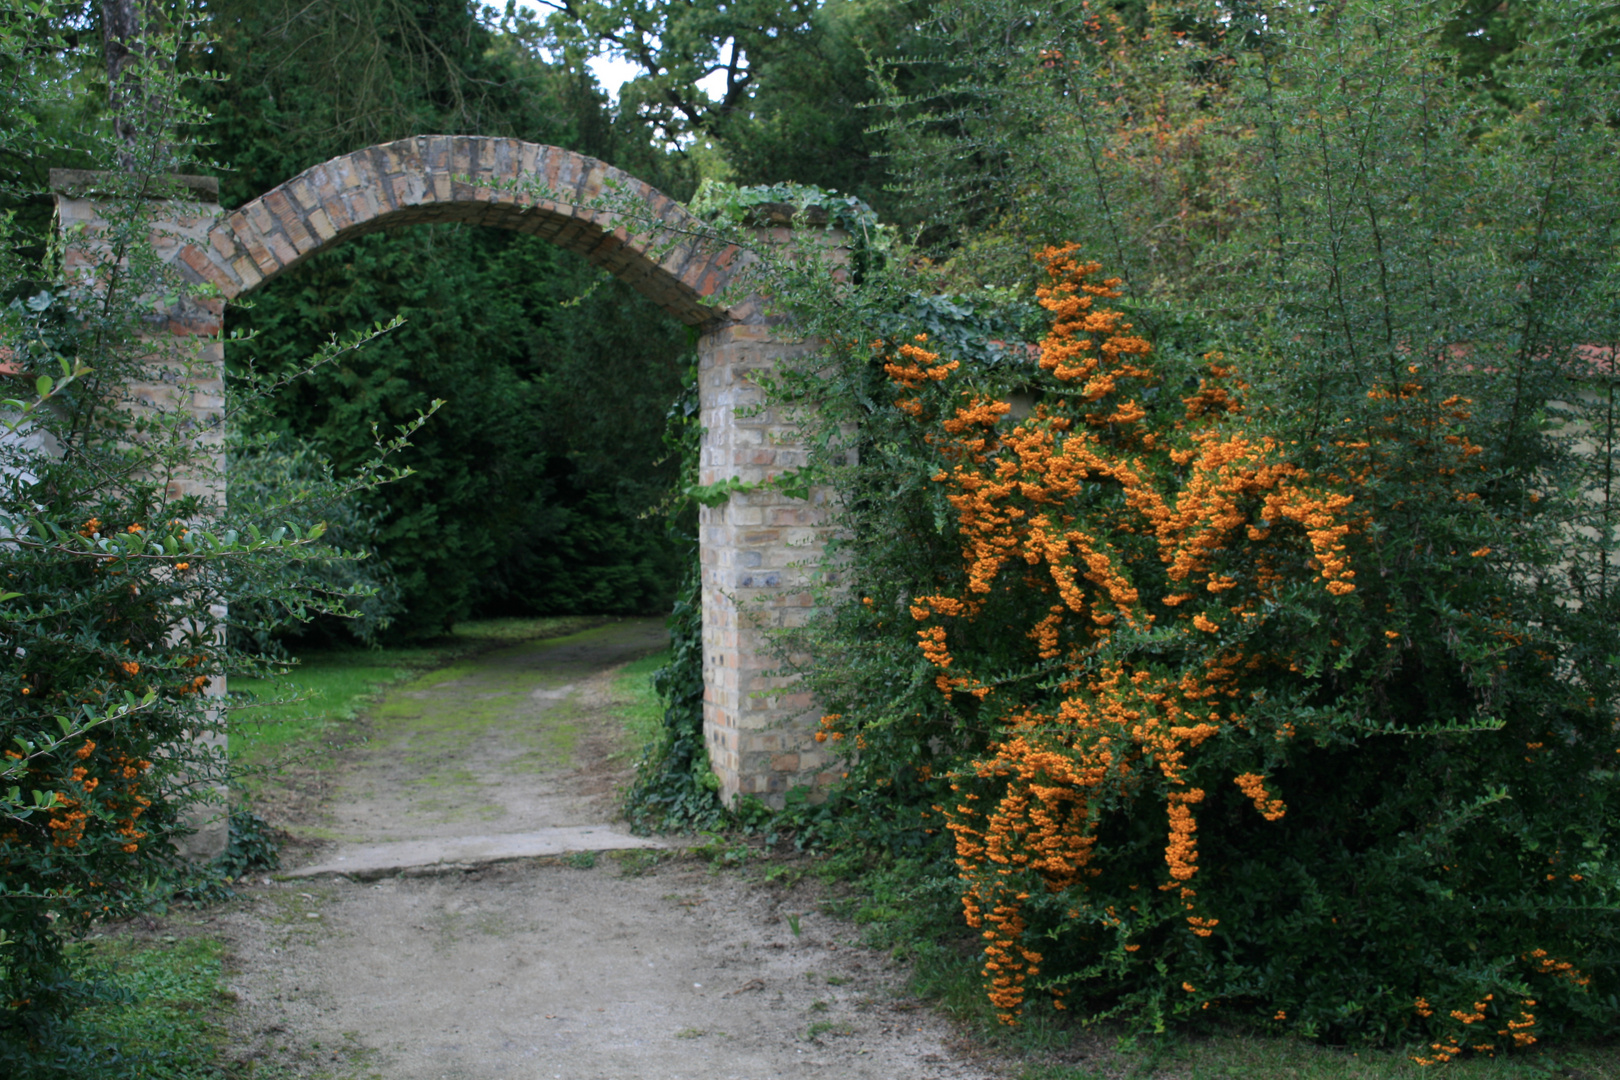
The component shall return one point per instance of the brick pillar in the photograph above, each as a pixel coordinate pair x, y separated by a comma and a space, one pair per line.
189, 375
759, 552
186, 374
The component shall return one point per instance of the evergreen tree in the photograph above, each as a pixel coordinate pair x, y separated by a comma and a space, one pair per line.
527, 497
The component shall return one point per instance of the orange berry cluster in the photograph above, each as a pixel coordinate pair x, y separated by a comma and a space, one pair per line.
69, 815
1227, 523
1517, 1032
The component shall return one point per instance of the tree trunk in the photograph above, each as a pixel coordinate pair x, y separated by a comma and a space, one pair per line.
123, 25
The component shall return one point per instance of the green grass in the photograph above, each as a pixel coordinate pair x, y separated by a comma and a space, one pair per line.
322, 689
179, 1001
641, 711
273, 717
170, 1031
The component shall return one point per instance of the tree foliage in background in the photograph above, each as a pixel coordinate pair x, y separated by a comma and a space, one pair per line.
1381, 776
307, 81
48, 105
791, 97
527, 496
268, 473
815, 115
678, 47
529, 493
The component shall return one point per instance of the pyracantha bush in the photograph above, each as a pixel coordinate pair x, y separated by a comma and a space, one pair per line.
1222, 719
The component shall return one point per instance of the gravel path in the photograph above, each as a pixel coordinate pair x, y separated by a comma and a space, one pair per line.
628, 964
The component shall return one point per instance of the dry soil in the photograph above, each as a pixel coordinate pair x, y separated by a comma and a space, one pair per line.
631, 965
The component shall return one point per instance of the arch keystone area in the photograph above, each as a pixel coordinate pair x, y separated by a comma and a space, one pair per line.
759, 730
438, 179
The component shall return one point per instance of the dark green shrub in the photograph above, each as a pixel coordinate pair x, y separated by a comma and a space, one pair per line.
120, 559
675, 789
1404, 819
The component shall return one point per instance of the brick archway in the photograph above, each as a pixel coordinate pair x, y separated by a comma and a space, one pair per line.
425, 180
760, 732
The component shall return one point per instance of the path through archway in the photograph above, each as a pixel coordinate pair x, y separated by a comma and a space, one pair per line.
759, 733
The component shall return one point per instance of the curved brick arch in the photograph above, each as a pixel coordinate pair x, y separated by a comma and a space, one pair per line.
758, 727
415, 181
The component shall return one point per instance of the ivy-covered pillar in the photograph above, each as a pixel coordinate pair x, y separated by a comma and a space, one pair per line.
760, 550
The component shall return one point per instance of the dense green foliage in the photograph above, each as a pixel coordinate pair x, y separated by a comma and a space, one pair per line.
120, 558
1355, 269
530, 494
527, 498
675, 790
263, 467
303, 82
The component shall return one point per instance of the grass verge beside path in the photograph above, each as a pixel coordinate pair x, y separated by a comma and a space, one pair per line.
638, 704
170, 1030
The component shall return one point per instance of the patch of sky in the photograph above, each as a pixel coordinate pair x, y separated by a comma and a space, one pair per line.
613, 71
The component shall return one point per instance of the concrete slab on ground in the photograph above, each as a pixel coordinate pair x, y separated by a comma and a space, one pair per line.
370, 861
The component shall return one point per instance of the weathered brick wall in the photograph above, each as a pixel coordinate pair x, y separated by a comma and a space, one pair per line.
755, 549
759, 552
429, 179
188, 358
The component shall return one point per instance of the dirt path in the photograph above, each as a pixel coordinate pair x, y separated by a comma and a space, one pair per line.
630, 965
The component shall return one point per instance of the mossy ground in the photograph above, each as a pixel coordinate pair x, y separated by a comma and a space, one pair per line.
275, 719
484, 745
174, 967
